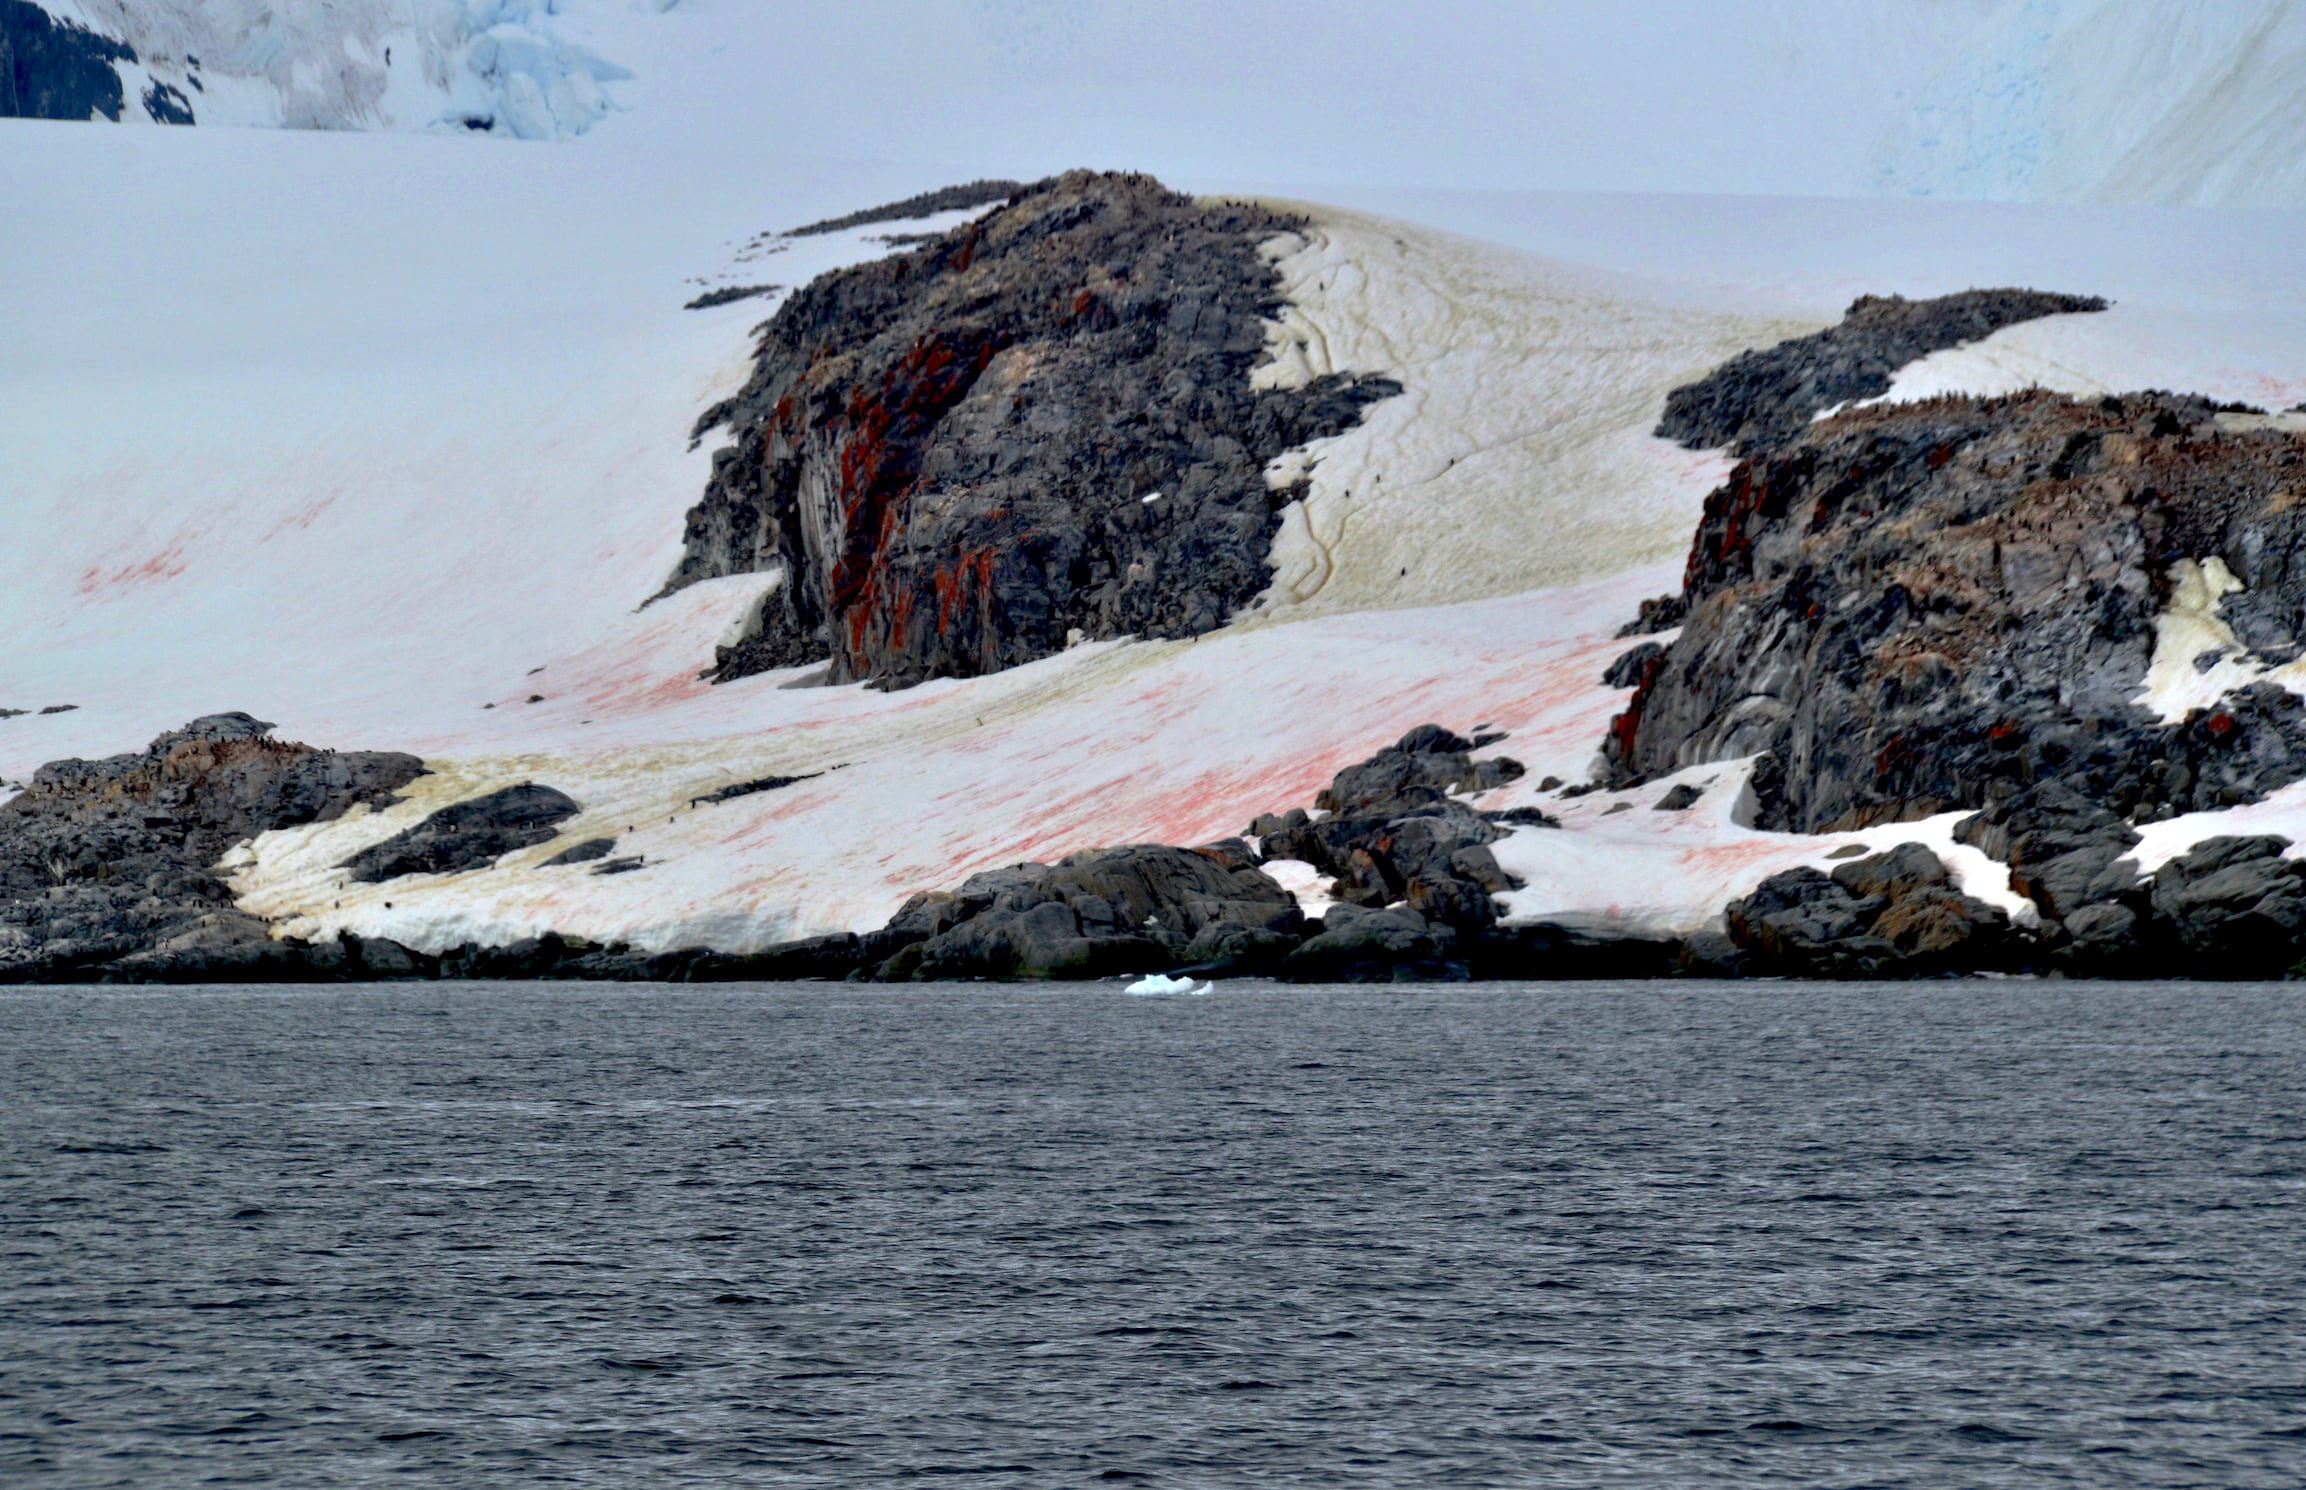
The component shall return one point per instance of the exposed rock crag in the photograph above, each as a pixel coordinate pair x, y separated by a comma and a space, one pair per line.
468, 835
107, 866
1891, 915
912, 209
1760, 399
1951, 604
1123, 910
1035, 429
51, 69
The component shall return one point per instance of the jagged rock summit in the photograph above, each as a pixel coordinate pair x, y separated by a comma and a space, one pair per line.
1929, 606
1035, 430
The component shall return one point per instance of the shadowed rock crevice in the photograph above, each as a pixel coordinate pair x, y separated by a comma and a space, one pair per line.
1036, 429
1760, 399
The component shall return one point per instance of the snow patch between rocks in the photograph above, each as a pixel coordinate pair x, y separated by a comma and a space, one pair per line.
1619, 867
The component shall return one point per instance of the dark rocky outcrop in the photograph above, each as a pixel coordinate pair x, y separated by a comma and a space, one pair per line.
1632, 666
107, 866
1416, 882
587, 852
51, 69
736, 789
1036, 428
1398, 828
1949, 604
1761, 399
1387, 945
1679, 799
468, 835
912, 209
729, 295
1138, 909
1889, 915
2230, 908
1656, 614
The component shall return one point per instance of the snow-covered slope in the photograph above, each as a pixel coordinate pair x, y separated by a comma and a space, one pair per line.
2136, 101
384, 438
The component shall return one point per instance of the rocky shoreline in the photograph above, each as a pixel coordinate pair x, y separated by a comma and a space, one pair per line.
110, 878
2066, 618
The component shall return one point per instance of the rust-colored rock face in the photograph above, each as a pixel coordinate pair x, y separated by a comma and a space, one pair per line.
1038, 425
1954, 603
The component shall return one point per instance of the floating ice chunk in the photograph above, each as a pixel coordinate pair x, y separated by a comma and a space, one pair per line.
1163, 983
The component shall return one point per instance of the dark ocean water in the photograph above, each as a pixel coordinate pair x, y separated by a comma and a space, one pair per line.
1938, 1235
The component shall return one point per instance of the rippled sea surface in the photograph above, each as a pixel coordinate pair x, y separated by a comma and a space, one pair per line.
1938, 1235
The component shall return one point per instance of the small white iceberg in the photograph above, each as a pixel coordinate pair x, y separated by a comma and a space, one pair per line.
1163, 983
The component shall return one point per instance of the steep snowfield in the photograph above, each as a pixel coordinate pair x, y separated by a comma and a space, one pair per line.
1518, 454
384, 437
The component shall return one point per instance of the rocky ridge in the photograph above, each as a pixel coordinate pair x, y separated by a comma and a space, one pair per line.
52, 69
1762, 398
1955, 604
1035, 429
107, 867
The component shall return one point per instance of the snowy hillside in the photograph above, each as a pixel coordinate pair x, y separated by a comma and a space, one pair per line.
385, 439
2132, 101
